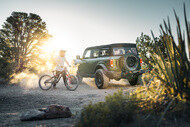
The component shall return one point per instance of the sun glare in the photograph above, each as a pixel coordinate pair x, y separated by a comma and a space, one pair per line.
48, 47
57, 43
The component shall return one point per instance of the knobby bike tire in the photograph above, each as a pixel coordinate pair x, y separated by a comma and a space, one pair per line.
45, 85
71, 83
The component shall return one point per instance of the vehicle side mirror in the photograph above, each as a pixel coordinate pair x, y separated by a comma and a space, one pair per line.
78, 57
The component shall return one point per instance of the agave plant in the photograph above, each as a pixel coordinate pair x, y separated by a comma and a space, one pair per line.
174, 68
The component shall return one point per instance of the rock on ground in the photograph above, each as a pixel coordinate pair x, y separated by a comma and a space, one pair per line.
51, 112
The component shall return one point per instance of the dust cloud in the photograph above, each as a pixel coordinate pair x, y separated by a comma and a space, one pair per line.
26, 79
29, 80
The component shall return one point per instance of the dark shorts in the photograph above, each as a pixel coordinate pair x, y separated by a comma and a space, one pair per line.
63, 75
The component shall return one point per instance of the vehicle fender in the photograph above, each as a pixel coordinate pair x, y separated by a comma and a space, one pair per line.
100, 66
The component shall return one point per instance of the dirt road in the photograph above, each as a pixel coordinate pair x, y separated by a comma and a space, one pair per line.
15, 100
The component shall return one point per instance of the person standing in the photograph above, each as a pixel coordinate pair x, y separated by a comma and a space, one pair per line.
60, 65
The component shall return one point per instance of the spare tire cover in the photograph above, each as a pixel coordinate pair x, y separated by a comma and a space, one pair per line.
131, 61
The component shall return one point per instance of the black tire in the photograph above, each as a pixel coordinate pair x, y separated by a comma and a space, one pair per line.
71, 83
131, 62
46, 82
101, 80
80, 78
140, 82
133, 81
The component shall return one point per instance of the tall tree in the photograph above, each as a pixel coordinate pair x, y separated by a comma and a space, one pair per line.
21, 37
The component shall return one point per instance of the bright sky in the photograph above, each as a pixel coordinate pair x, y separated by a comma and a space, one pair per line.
77, 24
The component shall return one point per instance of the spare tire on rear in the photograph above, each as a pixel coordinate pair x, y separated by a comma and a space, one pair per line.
131, 62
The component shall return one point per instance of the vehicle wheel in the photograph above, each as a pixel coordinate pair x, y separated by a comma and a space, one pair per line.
101, 79
46, 82
133, 81
71, 82
79, 78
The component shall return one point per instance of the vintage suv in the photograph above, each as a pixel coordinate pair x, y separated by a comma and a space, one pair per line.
114, 61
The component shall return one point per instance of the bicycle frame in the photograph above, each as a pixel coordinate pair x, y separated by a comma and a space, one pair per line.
59, 75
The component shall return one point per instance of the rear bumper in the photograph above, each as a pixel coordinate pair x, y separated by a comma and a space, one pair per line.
124, 74
113, 74
131, 74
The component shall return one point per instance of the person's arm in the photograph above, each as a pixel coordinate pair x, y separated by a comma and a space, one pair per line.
67, 62
57, 61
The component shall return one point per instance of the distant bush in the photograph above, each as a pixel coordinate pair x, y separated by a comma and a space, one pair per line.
117, 110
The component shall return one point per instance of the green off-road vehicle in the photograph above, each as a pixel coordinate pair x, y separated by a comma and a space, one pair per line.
114, 61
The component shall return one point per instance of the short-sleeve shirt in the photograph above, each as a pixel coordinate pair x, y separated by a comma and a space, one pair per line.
60, 62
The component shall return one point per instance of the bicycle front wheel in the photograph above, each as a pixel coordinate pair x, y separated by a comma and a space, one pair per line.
71, 82
46, 82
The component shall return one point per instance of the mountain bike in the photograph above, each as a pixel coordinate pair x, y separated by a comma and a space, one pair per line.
47, 81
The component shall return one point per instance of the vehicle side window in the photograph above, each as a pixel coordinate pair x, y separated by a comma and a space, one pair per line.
87, 54
104, 52
95, 53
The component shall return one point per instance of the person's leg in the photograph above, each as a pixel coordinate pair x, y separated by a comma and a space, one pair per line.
55, 81
64, 76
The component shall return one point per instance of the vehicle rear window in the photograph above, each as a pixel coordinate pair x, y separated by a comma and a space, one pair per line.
124, 50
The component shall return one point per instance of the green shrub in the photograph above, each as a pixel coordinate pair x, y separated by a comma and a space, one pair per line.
117, 110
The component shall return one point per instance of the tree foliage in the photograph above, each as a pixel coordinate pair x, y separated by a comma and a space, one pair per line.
21, 37
146, 46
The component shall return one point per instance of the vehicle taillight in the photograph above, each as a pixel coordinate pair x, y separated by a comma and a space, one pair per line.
111, 63
141, 61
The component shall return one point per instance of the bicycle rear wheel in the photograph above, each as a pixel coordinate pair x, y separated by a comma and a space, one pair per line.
71, 82
46, 82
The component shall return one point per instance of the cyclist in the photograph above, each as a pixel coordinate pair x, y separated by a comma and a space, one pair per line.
60, 65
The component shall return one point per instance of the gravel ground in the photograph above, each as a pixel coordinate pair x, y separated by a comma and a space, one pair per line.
14, 100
